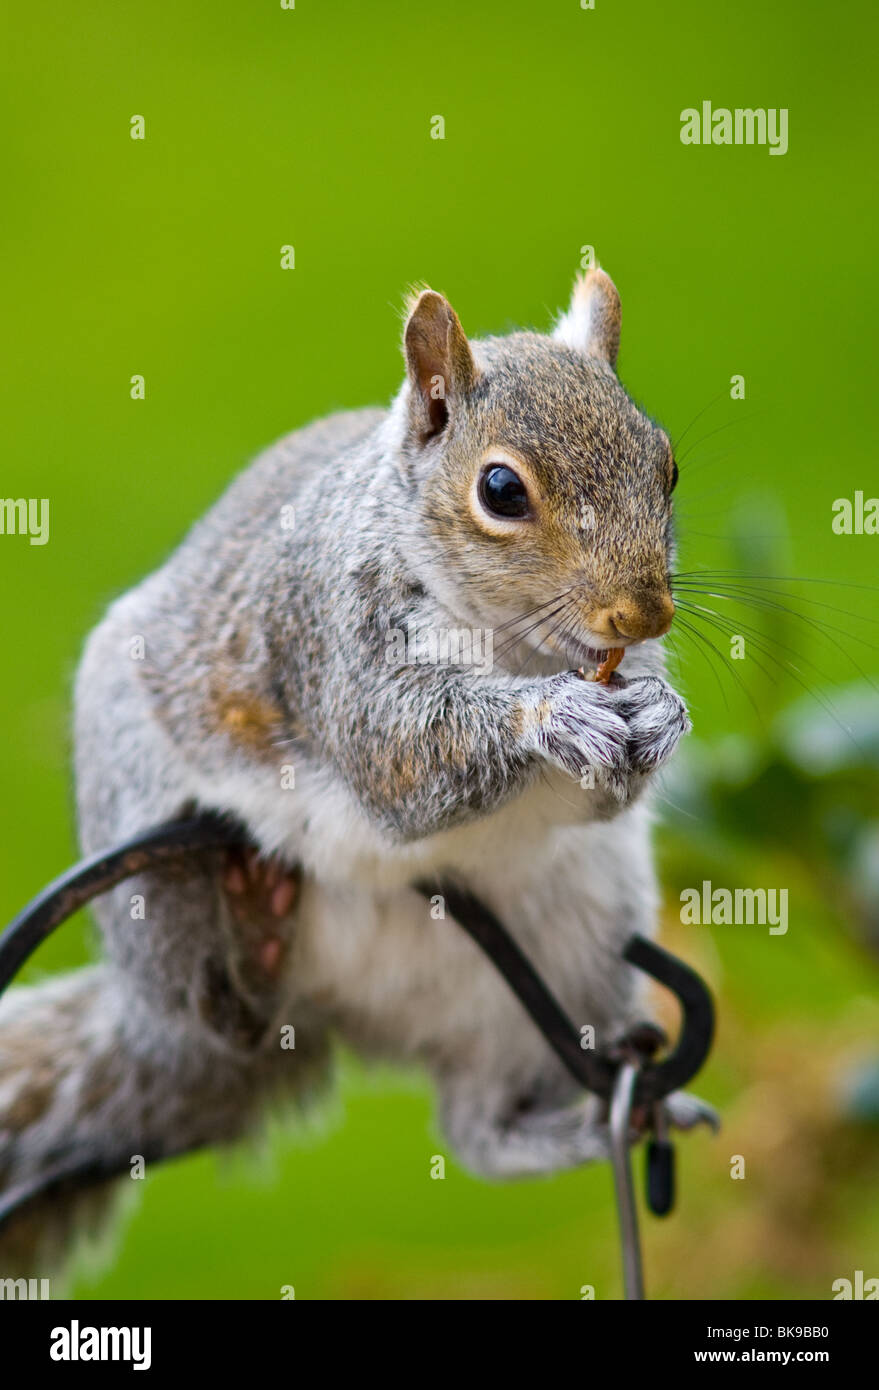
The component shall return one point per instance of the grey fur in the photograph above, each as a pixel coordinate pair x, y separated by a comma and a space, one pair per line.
265, 649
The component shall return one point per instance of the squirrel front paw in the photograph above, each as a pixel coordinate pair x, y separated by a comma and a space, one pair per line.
608, 737
656, 718
577, 726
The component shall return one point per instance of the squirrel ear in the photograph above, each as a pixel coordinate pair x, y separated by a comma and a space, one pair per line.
592, 323
438, 361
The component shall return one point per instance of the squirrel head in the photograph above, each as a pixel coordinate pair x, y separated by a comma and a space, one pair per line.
540, 485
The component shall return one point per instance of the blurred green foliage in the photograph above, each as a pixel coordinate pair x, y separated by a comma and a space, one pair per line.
311, 127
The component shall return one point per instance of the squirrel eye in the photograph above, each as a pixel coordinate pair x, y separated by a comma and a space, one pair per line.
674, 476
502, 492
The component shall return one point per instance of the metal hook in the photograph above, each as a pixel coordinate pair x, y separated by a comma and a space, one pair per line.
178, 839
594, 1070
622, 1097
619, 1080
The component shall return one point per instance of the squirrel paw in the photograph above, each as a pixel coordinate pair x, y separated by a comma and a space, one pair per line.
682, 1111
611, 735
656, 718
581, 731
241, 984
260, 893
685, 1111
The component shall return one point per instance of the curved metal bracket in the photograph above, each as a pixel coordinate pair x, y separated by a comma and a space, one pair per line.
72, 890
594, 1070
658, 1079
617, 1080
175, 840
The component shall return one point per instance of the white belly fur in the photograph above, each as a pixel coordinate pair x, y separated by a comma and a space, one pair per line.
399, 981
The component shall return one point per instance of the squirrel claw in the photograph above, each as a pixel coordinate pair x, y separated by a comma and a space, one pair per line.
681, 1110
685, 1111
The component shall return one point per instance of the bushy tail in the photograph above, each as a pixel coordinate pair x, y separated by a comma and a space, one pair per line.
93, 1086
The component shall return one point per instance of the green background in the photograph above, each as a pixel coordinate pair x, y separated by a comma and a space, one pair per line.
162, 257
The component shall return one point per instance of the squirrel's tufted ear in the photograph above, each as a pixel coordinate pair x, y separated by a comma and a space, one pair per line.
592, 323
438, 361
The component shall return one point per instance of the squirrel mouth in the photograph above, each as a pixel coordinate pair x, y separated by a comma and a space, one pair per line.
604, 660
591, 656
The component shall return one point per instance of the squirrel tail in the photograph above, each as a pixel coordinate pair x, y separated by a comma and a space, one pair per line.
94, 1086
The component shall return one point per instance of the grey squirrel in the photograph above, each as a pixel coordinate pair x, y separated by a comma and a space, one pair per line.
512, 489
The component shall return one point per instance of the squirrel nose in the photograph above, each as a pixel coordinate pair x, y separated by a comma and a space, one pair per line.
627, 618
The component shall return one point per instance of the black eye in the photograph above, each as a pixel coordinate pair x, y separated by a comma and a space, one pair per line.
502, 492
674, 476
